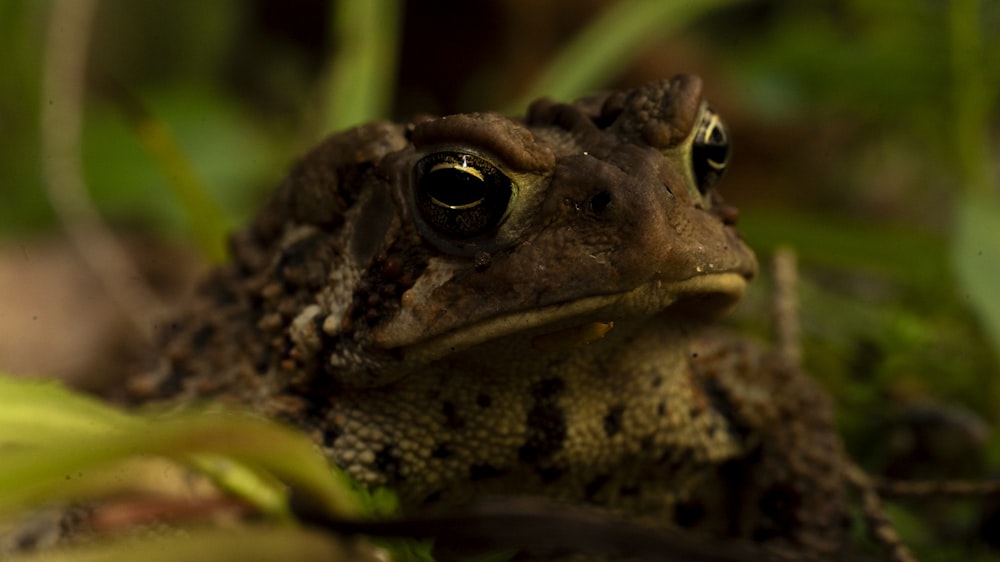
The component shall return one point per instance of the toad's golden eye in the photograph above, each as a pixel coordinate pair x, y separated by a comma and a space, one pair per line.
710, 150
461, 195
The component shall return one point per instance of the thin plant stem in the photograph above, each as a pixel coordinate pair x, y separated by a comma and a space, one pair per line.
61, 126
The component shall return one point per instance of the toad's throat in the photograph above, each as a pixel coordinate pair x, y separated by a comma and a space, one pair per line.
715, 294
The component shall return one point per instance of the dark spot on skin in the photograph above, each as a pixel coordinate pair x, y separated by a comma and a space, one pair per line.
551, 473
484, 471
550, 388
661, 408
722, 404
656, 382
389, 463
451, 418
689, 513
613, 420
484, 400
546, 421
595, 485
442, 451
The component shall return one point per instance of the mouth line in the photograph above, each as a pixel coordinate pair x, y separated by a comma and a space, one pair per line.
648, 299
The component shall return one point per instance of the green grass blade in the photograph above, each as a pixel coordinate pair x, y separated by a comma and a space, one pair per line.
363, 69
972, 97
597, 52
976, 254
33, 412
976, 230
32, 475
208, 222
58, 444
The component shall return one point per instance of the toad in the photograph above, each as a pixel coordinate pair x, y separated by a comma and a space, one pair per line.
472, 305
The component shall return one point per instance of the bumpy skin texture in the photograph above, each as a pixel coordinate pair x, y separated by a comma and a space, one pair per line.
450, 367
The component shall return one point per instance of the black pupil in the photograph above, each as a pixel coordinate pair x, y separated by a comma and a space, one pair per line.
461, 195
454, 187
715, 155
710, 152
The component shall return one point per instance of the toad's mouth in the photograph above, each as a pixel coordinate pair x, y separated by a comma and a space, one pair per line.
584, 320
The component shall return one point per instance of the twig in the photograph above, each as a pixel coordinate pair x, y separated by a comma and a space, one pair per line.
879, 525
786, 306
925, 488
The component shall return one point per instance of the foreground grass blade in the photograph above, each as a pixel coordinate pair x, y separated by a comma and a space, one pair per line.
33, 411
77, 439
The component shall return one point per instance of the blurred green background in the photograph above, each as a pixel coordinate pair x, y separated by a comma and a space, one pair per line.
865, 134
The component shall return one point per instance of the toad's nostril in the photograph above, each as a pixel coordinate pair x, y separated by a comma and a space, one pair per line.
600, 202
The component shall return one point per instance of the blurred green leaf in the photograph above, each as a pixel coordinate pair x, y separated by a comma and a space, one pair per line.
976, 253
362, 71
61, 447
976, 227
213, 152
50, 449
880, 316
597, 52
904, 253
972, 98
209, 224
35, 411
22, 204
